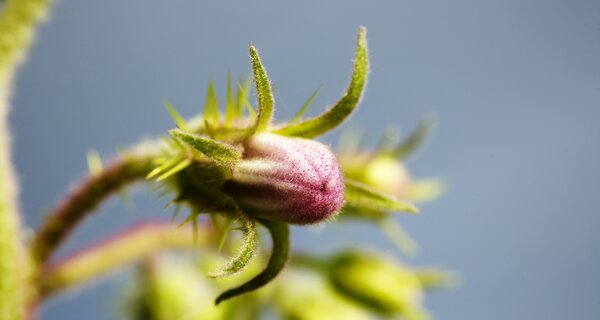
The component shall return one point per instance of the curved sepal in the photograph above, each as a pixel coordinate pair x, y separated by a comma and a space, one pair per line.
177, 118
298, 116
245, 253
280, 235
263, 91
335, 115
359, 195
217, 151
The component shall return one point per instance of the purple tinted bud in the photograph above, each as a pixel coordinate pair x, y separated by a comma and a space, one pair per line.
286, 179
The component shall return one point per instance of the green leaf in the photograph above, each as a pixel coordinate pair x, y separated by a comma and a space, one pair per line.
263, 91
305, 106
280, 235
211, 107
217, 151
179, 121
360, 195
343, 108
245, 253
416, 139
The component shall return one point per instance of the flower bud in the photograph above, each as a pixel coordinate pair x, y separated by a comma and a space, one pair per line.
286, 179
378, 282
381, 172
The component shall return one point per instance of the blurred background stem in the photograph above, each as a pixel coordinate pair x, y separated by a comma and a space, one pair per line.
18, 21
126, 247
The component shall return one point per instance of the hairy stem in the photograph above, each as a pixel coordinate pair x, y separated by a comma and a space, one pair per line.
280, 236
18, 21
126, 247
84, 199
12, 259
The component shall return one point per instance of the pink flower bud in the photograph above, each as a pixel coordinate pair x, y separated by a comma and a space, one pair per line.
286, 179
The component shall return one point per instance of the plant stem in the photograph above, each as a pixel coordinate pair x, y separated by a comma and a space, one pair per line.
84, 199
128, 246
12, 258
280, 237
18, 21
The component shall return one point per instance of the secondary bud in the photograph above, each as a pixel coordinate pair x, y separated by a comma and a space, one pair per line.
286, 179
378, 282
381, 172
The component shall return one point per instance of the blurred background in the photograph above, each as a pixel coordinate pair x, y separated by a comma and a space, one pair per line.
515, 83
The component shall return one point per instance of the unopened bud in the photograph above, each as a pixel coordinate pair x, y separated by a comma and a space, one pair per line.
286, 179
384, 285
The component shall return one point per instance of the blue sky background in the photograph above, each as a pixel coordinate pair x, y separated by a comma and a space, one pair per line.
516, 85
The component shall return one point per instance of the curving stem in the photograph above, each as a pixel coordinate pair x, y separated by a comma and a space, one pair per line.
84, 199
280, 235
126, 247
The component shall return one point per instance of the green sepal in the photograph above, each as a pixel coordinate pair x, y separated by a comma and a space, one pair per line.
217, 151
229, 107
241, 98
163, 167
298, 116
416, 139
177, 118
359, 195
388, 140
399, 237
335, 115
425, 190
210, 130
263, 91
211, 106
222, 227
244, 98
432, 278
181, 165
207, 198
280, 235
244, 254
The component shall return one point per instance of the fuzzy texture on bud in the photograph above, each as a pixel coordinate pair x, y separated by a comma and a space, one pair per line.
286, 179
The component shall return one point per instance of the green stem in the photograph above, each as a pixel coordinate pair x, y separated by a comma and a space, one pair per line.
18, 21
280, 236
12, 258
126, 247
84, 199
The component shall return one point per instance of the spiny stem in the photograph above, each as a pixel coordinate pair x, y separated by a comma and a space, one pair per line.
126, 247
84, 199
18, 21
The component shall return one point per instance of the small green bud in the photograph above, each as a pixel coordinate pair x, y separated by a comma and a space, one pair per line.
382, 172
170, 289
379, 283
292, 180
